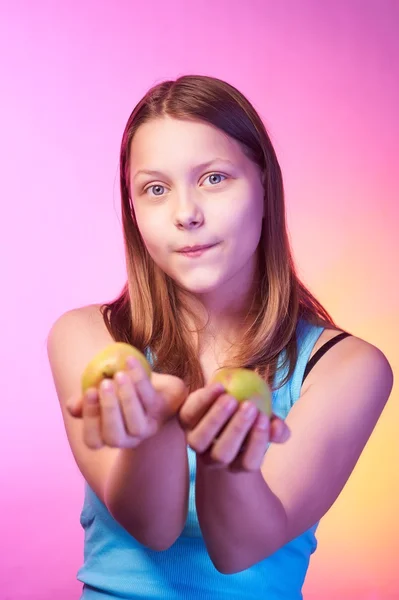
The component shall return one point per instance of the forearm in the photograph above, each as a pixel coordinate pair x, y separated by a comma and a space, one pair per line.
147, 489
241, 520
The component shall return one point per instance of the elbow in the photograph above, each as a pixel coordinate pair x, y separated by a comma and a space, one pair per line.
226, 569
156, 545
154, 533
157, 539
232, 567
230, 559
242, 560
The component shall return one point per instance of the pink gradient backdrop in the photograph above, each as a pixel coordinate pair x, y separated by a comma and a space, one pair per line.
324, 76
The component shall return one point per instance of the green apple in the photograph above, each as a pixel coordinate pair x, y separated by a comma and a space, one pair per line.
108, 361
245, 384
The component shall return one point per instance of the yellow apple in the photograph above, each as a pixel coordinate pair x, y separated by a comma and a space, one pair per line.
245, 384
110, 360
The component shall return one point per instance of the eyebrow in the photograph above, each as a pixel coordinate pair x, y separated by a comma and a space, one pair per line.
200, 167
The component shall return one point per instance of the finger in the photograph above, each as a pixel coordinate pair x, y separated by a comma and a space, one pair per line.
231, 439
134, 417
91, 412
256, 444
172, 389
112, 426
75, 405
145, 392
279, 430
198, 403
202, 436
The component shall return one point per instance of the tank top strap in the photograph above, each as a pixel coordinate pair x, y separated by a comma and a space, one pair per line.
321, 351
149, 356
284, 397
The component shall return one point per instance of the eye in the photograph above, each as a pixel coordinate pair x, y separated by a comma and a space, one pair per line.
215, 178
158, 190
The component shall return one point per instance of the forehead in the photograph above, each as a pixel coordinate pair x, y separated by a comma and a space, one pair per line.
166, 142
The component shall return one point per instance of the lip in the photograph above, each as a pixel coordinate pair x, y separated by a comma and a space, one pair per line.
195, 251
195, 248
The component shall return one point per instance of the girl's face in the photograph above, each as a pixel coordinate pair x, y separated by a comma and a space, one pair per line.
193, 185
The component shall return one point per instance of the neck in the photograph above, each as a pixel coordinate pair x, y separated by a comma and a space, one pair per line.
218, 317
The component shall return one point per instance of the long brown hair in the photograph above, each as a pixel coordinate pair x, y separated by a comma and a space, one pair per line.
148, 311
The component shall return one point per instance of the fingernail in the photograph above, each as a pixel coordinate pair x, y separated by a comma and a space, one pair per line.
249, 410
92, 397
263, 422
106, 385
132, 362
218, 387
121, 377
229, 403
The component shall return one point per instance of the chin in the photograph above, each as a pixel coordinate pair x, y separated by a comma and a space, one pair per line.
198, 285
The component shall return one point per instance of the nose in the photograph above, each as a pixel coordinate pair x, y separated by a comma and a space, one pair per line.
188, 214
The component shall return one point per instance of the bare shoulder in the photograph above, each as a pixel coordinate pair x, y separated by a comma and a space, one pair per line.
92, 315
345, 354
330, 425
74, 338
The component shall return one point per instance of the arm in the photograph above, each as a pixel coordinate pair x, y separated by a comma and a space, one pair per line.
241, 519
146, 490
245, 517
138, 486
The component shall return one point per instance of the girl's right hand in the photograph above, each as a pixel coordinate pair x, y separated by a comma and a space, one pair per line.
128, 408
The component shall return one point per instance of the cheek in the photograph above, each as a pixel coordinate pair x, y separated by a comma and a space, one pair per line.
245, 225
146, 222
152, 232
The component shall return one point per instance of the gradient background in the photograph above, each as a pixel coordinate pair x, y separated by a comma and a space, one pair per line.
324, 76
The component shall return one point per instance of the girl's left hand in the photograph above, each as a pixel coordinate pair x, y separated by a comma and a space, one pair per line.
226, 433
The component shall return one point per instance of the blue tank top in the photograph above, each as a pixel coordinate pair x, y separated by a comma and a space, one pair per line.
118, 566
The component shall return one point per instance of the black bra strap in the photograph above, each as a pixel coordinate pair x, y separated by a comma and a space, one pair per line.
321, 351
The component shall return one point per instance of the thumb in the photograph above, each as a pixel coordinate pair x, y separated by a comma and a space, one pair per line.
173, 391
74, 406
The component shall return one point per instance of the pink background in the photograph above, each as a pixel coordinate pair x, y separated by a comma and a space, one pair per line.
324, 76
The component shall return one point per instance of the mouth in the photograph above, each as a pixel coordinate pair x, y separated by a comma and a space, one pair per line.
197, 251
